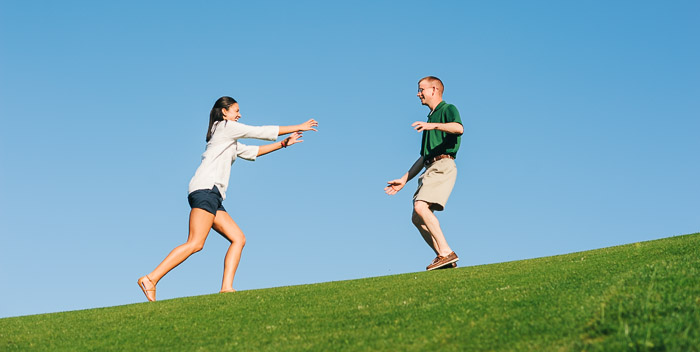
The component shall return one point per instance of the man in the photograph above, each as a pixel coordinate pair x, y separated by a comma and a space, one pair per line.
441, 138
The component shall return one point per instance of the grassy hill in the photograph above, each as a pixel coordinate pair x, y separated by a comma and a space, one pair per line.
639, 297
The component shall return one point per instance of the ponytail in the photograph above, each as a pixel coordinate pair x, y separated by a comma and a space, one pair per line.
216, 114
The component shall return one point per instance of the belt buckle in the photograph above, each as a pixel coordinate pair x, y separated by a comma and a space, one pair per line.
438, 157
431, 160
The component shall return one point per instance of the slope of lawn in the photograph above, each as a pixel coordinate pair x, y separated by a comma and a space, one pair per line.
638, 297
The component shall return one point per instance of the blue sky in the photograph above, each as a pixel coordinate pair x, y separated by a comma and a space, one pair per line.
581, 125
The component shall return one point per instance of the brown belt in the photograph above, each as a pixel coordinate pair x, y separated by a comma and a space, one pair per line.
436, 158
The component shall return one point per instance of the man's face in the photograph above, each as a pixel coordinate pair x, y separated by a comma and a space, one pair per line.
426, 92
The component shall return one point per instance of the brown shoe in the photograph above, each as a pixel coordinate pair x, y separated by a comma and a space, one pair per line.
450, 266
441, 261
438, 258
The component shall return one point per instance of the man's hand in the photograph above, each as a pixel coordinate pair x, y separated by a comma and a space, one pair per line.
421, 126
394, 186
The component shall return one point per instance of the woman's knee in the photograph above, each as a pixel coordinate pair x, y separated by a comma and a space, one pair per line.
239, 241
194, 247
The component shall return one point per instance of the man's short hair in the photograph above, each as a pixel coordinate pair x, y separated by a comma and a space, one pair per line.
434, 81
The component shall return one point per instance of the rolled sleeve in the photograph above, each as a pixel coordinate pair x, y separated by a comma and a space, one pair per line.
236, 130
247, 152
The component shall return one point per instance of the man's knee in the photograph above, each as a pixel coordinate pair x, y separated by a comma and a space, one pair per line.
420, 207
416, 219
421, 211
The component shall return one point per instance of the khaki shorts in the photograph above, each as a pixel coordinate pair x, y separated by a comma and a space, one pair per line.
436, 183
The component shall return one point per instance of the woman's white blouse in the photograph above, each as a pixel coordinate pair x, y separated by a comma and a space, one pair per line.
222, 150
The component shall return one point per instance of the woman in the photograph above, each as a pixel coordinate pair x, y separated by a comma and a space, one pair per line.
208, 187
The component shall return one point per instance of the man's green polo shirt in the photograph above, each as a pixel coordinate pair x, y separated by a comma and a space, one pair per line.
437, 142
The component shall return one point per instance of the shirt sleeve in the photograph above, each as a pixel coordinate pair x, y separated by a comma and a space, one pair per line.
452, 115
236, 130
247, 152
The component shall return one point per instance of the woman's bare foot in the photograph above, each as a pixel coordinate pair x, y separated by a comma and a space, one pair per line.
226, 291
148, 288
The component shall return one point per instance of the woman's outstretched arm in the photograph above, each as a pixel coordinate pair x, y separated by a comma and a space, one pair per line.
268, 148
306, 126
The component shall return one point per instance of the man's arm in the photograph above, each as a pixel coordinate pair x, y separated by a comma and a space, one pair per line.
396, 185
449, 127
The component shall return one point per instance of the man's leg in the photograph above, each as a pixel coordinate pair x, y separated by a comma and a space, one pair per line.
430, 223
427, 237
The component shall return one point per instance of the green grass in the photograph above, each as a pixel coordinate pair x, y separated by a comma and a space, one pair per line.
638, 297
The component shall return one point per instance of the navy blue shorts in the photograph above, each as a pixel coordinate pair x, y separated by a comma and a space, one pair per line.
207, 199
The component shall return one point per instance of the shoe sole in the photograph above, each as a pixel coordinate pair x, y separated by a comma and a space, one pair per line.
448, 266
442, 266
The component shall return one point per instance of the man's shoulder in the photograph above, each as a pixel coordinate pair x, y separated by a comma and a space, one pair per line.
451, 114
445, 107
449, 106
449, 109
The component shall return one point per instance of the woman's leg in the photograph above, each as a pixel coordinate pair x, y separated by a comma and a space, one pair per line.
201, 222
228, 228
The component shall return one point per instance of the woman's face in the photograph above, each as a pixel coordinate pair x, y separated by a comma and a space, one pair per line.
233, 113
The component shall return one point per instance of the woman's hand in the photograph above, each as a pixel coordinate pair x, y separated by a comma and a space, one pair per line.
307, 126
293, 139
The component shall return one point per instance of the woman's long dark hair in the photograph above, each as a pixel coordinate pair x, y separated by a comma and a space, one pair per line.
216, 114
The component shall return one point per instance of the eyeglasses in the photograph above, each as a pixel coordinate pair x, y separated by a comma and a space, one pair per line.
420, 90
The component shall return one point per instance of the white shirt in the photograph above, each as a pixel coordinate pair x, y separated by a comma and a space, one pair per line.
222, 150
